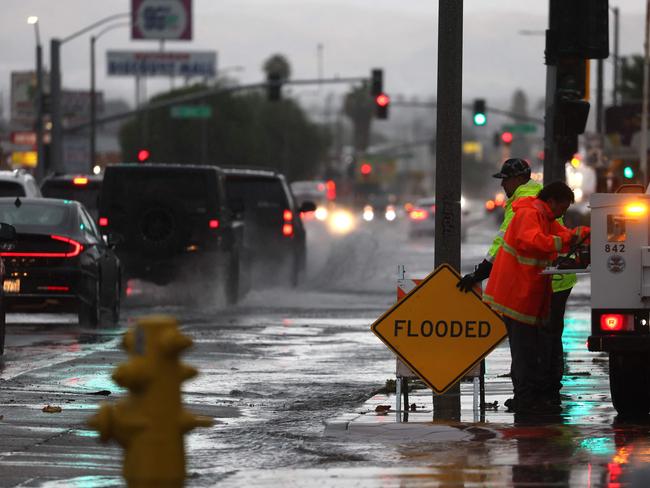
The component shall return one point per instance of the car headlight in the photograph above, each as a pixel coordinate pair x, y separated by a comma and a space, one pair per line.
341, 222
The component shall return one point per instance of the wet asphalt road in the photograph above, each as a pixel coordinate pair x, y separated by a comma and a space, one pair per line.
283, 362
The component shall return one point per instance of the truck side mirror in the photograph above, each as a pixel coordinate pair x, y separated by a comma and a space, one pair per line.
307, 207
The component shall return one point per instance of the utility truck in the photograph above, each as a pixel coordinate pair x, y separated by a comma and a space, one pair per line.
620, 293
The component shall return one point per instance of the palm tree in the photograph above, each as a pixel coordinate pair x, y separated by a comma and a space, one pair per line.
277, 65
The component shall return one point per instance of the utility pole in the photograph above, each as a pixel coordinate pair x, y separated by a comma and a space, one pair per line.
448, 161
615, 59
644, 110
56, 144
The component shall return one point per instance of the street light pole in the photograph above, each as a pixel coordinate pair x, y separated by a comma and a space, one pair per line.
56, 145
615, 58
93, 95
40, 170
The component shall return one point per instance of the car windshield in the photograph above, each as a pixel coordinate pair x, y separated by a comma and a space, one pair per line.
88, 195
11, 189
32, 217
256, 193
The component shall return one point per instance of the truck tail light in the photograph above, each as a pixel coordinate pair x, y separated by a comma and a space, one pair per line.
287, 226
616, 322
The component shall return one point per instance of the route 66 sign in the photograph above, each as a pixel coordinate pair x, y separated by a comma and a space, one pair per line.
161, 19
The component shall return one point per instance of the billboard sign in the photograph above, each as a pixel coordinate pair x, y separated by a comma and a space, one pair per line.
23, 97
161, 63
161, 19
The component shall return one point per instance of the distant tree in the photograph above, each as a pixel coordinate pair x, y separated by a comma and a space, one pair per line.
279, 64
631, 80
245, 130
359, 107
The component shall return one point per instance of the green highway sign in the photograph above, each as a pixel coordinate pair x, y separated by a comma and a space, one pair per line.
191, 111
522, 128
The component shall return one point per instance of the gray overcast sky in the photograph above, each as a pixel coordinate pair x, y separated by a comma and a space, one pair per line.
400, 36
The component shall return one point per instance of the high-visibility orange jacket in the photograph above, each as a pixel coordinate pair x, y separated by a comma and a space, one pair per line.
533, 240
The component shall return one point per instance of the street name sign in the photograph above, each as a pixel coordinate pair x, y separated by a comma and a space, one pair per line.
440, 332
522, 128
191, 111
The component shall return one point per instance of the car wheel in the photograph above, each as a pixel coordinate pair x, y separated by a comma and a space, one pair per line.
111, 316
629, 383
89, 313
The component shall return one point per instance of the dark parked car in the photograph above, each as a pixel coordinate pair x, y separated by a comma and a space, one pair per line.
171, 223
275, 236
82, 188
59, 261
7, 241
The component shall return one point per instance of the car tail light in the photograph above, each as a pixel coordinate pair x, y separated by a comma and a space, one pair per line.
331, 190
616, 322
80, 181
75, 249
287, 226
103, 221
418, 214
213, 223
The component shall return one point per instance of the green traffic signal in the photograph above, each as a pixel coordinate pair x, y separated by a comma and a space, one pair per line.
480, 114
480, 119
628, 172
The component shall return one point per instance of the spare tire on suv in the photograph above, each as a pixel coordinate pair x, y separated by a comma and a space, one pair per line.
169, 222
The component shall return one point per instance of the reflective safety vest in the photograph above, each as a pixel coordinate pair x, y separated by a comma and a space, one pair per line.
516, 287
529, 189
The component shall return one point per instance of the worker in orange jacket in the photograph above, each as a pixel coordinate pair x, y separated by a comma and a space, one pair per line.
519, 291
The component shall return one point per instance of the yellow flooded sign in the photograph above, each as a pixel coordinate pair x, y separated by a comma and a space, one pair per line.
440, 332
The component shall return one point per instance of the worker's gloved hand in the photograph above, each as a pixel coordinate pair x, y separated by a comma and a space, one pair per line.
467, 282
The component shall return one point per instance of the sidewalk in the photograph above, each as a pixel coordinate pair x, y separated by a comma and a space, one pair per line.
367, 423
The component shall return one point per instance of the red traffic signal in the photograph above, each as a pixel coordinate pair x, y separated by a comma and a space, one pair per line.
382, 102
506, 137
366, 169
143, 155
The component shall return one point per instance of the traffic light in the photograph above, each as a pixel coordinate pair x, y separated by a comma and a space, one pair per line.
382, 103
571, 108
628, 172
366, 169
274, 87
143, 155
480, 114
507, 137
578, 28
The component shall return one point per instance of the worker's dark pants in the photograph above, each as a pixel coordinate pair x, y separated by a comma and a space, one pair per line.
552, 353
524, 342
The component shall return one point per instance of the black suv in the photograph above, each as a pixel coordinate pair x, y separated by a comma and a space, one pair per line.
274, 239
170, 222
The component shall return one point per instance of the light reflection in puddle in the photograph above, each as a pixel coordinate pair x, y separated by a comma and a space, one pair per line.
85, 482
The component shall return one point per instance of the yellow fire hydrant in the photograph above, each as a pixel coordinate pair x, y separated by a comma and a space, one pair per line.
150, 423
